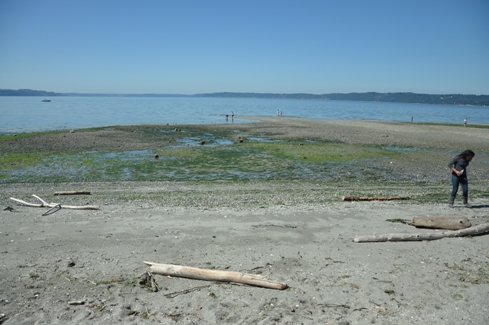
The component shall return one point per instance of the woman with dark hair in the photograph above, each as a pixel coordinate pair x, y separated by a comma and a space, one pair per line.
458, 166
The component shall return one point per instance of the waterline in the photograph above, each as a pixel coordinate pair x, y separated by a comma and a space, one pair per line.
29, 114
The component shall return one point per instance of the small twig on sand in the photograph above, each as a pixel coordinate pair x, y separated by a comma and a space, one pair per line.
77, 302
335, 305
364, 198
177, 293
72, 193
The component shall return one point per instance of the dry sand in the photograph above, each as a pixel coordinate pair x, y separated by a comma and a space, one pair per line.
82, 267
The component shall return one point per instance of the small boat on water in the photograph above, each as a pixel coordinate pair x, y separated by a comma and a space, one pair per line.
46, 100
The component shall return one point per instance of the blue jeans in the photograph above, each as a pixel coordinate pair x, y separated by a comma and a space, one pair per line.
463, 182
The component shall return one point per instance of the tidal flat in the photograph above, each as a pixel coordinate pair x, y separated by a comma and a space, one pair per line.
360, 157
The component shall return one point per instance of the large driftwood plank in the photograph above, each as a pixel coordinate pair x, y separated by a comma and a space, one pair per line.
441, 222
478, 230
214, 275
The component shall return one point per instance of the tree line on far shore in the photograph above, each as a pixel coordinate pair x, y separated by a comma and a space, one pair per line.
449, 99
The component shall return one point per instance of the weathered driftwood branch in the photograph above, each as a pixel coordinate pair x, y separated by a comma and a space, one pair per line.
214, 275
44, 204
478, 230
365, 198
441, 222
72, 193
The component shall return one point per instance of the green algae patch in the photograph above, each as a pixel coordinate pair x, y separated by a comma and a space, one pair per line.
319, 151
237, 162
6, 137
21, 160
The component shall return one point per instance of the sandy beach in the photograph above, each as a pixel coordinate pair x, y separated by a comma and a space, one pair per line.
84, 266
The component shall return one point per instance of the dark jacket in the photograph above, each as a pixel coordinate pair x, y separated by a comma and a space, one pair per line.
459, 165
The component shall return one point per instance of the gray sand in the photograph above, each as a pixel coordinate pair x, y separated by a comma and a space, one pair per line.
50, 263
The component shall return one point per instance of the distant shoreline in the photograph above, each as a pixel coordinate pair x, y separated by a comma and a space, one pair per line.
398, 97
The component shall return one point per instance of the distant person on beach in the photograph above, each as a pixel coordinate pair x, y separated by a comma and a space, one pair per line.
412, 119
465, 122
232, 115
458, 165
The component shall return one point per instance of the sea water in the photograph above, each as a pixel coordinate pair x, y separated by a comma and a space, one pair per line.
29, 114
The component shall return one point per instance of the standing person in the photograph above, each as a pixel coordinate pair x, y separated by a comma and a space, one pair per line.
458, 165
232, 115
465, 122
412, 119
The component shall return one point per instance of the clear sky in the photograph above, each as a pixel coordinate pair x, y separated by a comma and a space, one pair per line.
266, 46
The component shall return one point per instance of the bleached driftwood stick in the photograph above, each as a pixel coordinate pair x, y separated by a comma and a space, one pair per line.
478, 230
214, 275
72, 193
365, 198
44, 204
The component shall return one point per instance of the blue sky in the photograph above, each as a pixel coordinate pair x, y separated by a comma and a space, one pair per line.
189, 47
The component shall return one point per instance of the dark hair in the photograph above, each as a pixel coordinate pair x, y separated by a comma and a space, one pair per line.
467, 153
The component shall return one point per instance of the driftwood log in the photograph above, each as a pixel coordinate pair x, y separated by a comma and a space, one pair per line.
441, 222
72, 193
214, 275
44, 204
472, 231
365, 198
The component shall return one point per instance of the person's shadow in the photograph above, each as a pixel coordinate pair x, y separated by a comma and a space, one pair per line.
482, 206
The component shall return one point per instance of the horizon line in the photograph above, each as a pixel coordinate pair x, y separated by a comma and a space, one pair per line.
238, 92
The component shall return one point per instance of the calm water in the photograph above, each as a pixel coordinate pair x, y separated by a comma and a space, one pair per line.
27, 114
